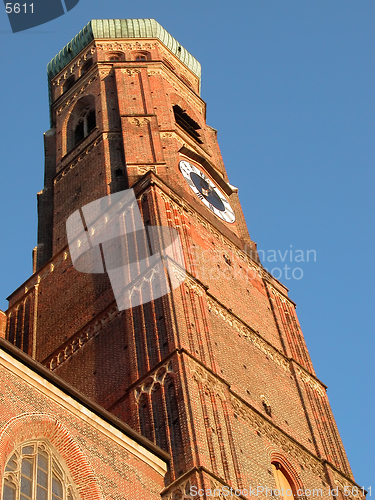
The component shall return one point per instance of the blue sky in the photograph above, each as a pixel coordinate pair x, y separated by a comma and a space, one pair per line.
289, 86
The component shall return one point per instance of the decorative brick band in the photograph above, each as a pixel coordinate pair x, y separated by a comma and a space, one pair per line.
82, 337
312, 382
207, 379
117, 46
248, 333
277, 437
74, 97
181, 205
70, 70
82, 155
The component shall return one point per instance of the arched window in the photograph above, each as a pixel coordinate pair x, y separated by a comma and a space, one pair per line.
283, 482
34, 472
85, 125
115, 56
141, 56
82, 121
86, 66
69, 83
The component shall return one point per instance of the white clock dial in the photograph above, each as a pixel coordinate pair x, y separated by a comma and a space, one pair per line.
207, 192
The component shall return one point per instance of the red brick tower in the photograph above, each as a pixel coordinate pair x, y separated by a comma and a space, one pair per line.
217, 372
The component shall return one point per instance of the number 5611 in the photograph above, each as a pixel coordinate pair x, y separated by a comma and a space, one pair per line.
16, 8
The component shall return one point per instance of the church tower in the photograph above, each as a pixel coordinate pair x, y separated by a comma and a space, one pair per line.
217, 372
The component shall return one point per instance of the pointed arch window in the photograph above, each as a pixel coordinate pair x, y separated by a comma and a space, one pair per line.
26, 327
283, 482
86, 66
81, 123
34, 472
19, 328
69, 83
12, 327
85, 125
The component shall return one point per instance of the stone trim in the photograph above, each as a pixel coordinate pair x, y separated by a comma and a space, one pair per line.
75, 95
69, 70
82, 337
155, 377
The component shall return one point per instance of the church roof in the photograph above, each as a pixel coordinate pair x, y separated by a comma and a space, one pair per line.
120, 28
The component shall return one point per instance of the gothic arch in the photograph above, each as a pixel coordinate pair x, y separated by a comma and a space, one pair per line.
28, 426
30, 466
79, 116
86, 66
69, 82
27, 325
19, 326
289, 471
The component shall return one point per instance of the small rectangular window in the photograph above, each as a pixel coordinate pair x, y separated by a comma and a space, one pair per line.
42, 460
26, 487
9, 491
27, 467
57, 488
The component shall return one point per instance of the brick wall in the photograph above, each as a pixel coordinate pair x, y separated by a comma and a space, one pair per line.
103, 461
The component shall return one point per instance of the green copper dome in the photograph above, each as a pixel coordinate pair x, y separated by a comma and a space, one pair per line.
120, 28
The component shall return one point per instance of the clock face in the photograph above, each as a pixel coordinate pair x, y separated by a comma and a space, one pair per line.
207, 192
